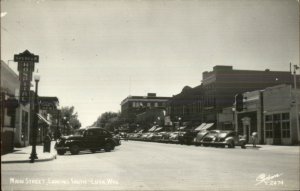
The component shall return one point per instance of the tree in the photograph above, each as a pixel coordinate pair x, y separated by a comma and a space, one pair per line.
68, 119
108, 120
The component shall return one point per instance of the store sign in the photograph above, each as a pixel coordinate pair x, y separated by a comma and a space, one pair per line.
47, 106
26, 61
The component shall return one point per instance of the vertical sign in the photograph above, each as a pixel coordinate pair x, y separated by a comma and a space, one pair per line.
26, 62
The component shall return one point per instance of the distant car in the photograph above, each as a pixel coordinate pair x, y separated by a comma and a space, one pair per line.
230, 139
117, 139
92, 138
200, 135
173, 137
210, 137
187, 137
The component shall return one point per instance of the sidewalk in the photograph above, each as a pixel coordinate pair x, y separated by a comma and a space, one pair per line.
21, 155
292, 149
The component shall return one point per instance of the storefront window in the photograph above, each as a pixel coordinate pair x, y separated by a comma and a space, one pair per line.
285, 116
269, 118
269, 130
285, 129
285, 125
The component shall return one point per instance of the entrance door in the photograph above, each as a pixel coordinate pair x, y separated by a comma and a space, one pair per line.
247, 128
277, 133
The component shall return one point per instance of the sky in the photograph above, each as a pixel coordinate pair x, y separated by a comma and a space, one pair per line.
95, 53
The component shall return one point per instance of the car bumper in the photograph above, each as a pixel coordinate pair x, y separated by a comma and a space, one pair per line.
61, 148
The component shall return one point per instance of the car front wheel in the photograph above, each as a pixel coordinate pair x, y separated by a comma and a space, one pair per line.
108, 147
74, 149
61, 152
231, 145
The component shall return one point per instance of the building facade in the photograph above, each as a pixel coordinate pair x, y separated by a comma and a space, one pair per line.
272, 113
134, 105
186, 107
222, 84
15, 120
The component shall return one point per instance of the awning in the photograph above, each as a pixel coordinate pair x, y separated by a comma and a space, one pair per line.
152, 128
207, 126
43, 119
200, 127
181, 128
157, 129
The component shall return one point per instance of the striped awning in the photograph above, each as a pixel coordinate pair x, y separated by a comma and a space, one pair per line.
43, 119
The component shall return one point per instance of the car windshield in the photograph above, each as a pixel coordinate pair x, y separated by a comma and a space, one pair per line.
78, 132
222, 134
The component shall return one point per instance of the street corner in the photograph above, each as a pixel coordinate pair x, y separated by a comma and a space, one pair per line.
24, 158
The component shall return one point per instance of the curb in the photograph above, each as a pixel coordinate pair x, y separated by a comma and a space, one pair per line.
28, 160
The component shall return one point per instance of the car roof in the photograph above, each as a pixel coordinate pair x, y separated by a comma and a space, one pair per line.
91, 128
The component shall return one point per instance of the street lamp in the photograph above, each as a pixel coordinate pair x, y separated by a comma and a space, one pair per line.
57, 134
33, 154
179, 119
64, 121
158, 119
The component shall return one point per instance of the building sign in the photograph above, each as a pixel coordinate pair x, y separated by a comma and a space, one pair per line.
48, 103
26, 61
47, 106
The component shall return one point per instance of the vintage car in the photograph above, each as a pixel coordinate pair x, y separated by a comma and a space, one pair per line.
187, 137
230, 139
92, 138
209, 138
200, 135
173, 138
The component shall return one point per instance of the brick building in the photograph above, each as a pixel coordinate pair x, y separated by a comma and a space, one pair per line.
134, 105
216, 94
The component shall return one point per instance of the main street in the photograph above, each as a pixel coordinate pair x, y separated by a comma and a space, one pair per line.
157, 166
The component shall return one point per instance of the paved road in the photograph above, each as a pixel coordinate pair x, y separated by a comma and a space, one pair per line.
156, 166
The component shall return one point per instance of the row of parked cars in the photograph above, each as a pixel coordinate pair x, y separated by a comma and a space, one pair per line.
218, 138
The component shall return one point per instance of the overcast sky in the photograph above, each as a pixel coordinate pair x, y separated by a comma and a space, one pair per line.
94, 53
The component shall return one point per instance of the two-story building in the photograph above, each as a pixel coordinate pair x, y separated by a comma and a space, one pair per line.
134, 105
272, 113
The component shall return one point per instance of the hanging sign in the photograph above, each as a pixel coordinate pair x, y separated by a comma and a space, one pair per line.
26, 61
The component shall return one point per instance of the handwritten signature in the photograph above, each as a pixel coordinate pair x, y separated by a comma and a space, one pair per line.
269, 179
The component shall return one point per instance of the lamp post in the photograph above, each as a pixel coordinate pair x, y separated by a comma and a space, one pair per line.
179, 119
33, 154
158, 119
57, 134
65, 120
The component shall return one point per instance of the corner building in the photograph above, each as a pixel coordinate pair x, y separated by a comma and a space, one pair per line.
222, 84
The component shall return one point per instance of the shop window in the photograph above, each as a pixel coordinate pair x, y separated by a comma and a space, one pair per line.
269, 130
155, 104
285, 129
285, 116
268, 118
276, 117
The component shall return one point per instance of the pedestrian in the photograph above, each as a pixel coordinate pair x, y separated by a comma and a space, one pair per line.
47, 143
254, 138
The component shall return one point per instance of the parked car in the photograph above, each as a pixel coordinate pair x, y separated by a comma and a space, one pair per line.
92, 138
210, 137
173, 138
200, 135
165, 137
230, 139
187, 137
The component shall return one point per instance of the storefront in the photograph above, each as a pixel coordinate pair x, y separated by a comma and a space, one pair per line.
272, 113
